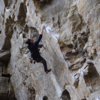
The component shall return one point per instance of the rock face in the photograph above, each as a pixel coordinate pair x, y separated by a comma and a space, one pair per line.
71, 48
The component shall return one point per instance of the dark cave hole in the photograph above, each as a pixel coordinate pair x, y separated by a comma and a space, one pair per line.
45, 98
65, 95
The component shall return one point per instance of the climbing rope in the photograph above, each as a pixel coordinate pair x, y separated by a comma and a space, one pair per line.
68, 70
62, 65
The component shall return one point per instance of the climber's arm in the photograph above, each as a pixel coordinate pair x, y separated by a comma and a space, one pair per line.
40, 36
38, 40
42, 30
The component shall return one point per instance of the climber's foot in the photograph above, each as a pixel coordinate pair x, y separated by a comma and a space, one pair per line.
48, 71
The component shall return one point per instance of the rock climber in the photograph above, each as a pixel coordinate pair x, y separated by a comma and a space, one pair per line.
34, 51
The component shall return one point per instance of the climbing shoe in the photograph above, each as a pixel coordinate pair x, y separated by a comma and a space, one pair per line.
48, 71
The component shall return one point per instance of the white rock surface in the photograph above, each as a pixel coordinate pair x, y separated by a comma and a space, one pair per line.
71, 49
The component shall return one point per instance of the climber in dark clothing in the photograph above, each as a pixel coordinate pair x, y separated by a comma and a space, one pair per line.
34, 51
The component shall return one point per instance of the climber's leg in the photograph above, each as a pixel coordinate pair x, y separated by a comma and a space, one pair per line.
43, 61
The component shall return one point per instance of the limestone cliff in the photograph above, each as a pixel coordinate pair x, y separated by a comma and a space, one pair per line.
74, 57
